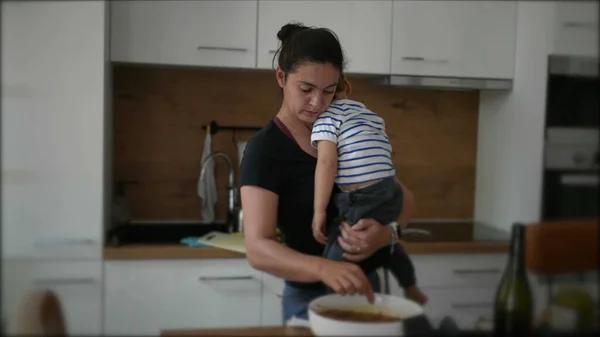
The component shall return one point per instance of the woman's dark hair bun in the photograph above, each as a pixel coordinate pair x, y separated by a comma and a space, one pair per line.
300, 43
290, 29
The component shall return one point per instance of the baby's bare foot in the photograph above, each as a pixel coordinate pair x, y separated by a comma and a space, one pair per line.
415, 294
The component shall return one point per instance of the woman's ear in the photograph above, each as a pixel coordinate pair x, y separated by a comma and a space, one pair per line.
280, 76
348, 87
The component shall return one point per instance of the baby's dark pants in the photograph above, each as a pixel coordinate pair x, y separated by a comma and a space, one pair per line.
383, 202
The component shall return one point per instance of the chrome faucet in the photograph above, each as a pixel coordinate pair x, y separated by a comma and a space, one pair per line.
232, 191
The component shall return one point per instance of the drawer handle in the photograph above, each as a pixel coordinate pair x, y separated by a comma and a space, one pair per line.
243, 50
470, 305
225, 278
62, 241
579, 25
63, 281
272, 51
477, 271
422, 59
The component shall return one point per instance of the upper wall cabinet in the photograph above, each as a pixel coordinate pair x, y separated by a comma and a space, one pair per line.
576, 28
218, 33
363, 27
454, 38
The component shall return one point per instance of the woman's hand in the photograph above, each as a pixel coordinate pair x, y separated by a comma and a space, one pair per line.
363, 239
346, 278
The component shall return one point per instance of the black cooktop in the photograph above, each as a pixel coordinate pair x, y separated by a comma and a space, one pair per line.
454, 231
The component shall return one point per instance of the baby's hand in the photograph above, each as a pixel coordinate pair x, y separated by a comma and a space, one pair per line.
318, 227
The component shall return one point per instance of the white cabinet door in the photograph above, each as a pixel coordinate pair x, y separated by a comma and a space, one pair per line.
363, 27
217, 33
463, 286
271, 306
576, 28
459, 270
78, 285
144, 297
454, 38
465, 305
53, 128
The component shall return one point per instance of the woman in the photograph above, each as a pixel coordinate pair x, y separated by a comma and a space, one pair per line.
277, 178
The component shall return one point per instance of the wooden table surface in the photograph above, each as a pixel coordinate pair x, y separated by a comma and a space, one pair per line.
250, 331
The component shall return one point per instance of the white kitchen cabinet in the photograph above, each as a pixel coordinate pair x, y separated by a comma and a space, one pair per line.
218, 33
271, 306
576, 28
459, 270
461, 286
54, 57
144, 297
464, 286
464, 305
78, 285
363, 27
454, 38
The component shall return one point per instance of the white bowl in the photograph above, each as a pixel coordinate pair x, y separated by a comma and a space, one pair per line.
394, 305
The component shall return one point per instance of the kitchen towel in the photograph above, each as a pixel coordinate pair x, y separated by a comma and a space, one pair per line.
192, 241
207, 186
241, 146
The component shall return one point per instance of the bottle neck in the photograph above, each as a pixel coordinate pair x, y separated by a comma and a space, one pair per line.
516, 262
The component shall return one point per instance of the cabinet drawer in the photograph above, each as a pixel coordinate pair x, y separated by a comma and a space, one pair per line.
459, 270
465, 306
145, 297
77, 284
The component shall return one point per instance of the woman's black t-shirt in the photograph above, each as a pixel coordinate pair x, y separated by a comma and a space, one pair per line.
273, 161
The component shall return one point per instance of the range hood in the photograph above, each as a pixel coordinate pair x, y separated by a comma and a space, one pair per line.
443, 83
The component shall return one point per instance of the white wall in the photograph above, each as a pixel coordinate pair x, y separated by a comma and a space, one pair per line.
511, 127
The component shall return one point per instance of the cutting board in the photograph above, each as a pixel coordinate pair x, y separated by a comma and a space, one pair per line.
227, 241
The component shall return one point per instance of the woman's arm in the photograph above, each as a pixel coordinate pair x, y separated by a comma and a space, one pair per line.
262, 249
266, 254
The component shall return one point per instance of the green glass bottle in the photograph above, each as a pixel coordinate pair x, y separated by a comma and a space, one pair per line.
513, 308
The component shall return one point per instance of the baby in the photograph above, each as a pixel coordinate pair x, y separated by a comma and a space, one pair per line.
354, 152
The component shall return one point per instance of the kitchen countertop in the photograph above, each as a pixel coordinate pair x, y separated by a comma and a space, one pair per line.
446, 237
250, 331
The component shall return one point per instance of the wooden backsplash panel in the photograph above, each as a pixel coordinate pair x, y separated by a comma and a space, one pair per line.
158, 138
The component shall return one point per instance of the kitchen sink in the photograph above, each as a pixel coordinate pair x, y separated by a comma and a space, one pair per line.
159, 234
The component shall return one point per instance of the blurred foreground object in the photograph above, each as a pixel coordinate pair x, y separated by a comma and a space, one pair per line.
39, 314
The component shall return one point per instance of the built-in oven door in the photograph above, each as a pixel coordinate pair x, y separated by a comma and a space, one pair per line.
570, 176
570, 194
572, 92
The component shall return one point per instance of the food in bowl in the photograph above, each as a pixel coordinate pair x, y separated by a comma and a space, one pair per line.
353, 315
366, 314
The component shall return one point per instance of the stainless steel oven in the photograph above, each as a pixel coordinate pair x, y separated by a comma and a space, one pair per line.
572, 92
571, 174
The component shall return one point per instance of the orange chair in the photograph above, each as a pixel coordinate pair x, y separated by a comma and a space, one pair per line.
562, 246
